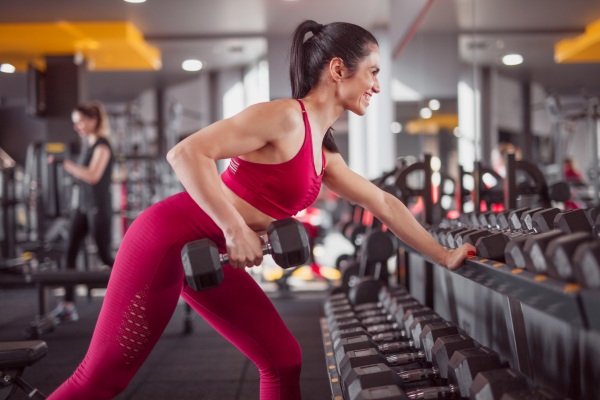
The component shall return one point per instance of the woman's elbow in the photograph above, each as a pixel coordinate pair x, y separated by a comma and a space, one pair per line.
174, 156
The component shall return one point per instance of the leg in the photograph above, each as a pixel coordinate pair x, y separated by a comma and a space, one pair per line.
77, 231
101, 228
240, 311
144, 287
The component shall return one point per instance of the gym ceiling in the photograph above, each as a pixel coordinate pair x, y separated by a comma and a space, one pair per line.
146, 43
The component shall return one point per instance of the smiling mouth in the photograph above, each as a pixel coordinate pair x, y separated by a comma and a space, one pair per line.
367, 97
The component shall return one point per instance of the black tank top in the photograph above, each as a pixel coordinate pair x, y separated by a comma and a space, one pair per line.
97, 196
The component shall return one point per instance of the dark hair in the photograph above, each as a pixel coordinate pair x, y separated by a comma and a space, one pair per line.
95, 110
308, 57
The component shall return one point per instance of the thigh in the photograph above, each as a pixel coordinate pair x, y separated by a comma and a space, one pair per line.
241, 311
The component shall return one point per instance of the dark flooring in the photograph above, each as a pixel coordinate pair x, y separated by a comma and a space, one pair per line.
199, 365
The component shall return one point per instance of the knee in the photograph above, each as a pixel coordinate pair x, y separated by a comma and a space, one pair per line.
288, 361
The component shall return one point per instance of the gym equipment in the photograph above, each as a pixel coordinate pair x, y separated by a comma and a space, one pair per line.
534, 184
405, 354
587, 258
492, 384
376, 250
465, 364
14, 357
287, 241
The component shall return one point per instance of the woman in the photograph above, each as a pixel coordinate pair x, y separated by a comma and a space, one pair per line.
93, 213
281, 152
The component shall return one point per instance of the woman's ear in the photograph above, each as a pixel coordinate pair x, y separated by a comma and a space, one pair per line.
337, 69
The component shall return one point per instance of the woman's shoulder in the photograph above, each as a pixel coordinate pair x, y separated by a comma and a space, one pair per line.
285, 113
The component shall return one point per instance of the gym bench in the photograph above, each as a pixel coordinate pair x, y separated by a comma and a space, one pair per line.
14, 357
93, 279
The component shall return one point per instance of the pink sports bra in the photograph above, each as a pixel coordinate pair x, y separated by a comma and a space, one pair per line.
278, 190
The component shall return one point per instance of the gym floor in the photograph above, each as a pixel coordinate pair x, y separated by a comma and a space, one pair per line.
200, 365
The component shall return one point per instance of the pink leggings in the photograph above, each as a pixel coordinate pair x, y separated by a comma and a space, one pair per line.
146, 282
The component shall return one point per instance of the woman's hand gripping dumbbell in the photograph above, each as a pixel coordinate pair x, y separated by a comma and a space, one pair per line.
287, 242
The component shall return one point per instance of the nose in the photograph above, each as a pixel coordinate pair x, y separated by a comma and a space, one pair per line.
376, 87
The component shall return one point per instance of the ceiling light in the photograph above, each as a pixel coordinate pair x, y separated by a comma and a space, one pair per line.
191, 65
7, 68
434, 104
135, 1
425, 113
512, 59
396, 127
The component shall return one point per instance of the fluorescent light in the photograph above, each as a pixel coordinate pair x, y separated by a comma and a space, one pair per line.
191, 65
512, 59
7, 68
135, 1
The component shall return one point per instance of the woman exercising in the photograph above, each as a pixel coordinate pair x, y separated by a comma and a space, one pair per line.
281, 152
93, 212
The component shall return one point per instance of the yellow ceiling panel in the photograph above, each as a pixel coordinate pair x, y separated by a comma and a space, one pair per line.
433, 125
584, 48
105, 45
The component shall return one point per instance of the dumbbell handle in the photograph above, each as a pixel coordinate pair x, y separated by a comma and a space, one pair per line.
266, 249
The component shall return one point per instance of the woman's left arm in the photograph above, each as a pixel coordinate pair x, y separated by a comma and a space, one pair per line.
93, 172
390, 211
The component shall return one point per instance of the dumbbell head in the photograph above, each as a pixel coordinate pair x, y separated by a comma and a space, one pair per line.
514, 218
289, 242
202, 264
432, 332
535, 247
559, 255
466, 364
492, 246
543, 221
586, 261
572, 221
368, 376
494, 383
444, 348
527, 220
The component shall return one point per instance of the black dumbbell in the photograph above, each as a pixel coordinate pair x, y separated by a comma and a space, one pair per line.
425, 314
492, 384
465, 364
287, 242
587, 260
463, 367
390, 341
404, 356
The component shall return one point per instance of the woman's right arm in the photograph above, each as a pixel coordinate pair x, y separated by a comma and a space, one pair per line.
194, 162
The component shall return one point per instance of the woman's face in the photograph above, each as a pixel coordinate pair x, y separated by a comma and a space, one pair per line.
356, 90
83, 125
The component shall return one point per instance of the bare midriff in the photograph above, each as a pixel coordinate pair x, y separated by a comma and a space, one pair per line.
255, 219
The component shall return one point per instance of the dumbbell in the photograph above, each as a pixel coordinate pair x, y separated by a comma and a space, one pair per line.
537, 252
463, 367
391, 319
400, 340
424, 315
287, 242
509, 247
407, 356
492, 384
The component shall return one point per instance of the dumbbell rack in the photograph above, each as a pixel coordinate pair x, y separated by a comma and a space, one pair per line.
534, 308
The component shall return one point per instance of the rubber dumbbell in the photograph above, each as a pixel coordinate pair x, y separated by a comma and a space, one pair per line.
287, 242
403, 357
463, 367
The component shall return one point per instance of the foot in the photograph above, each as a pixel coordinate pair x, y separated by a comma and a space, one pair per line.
64, 313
